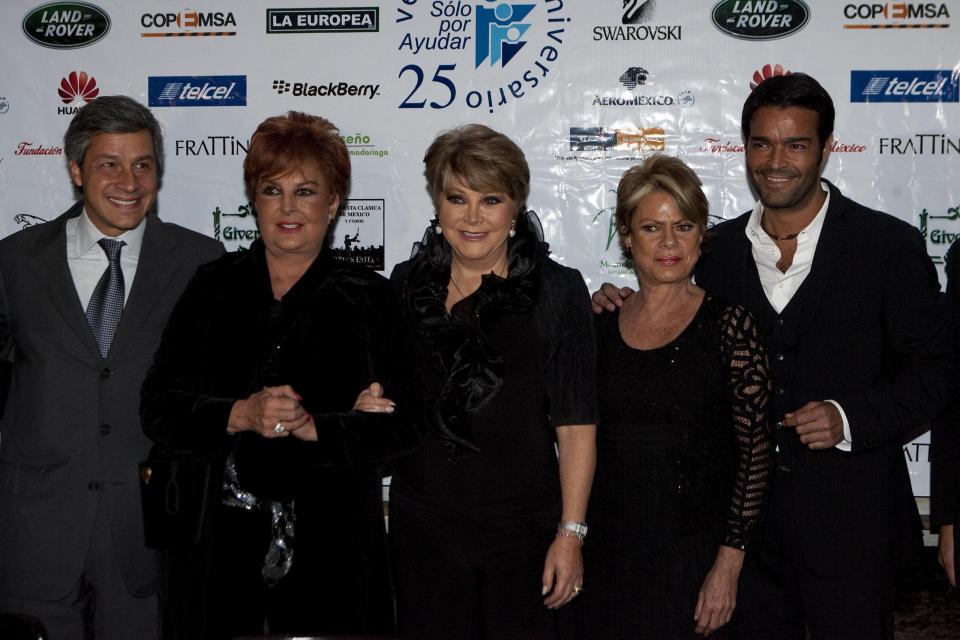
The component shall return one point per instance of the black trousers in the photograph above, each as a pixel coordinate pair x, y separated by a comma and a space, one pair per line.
780, 598
476, 579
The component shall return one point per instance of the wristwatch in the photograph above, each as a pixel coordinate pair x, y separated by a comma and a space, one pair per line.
576, 530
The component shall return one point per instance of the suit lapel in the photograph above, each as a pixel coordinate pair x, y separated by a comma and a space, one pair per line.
155, 268
53, 272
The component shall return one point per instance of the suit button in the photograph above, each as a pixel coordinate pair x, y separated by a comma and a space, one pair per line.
779, 357
106, 373
780, 322
779, 424
95, 485
779, 391
105, 429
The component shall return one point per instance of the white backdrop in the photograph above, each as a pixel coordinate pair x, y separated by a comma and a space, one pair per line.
586, 88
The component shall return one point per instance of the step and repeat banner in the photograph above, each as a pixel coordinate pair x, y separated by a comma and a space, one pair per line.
586, 87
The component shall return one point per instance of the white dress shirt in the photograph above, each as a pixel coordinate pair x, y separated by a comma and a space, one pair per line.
87, 260
779, 286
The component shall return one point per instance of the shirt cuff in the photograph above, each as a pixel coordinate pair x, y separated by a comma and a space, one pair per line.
847, 443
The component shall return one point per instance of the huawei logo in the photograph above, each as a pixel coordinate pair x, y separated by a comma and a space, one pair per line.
766, 73
78, 86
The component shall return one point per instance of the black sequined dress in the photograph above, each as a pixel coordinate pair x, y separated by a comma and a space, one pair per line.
684, 457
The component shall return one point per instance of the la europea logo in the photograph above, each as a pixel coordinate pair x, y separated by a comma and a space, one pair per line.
502, 50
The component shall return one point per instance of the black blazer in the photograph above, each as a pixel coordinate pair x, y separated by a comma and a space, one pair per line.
866, 330
945, 434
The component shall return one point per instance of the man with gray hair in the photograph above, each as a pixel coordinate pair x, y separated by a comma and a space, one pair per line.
83, 302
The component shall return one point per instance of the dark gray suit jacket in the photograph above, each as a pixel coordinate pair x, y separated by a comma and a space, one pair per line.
864, 329
71, 433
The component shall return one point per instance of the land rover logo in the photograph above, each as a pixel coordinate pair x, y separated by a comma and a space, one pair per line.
760, 19
66, 25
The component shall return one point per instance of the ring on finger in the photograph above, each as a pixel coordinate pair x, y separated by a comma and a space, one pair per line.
279, 428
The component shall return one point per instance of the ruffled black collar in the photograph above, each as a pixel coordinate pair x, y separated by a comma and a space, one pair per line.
472, 370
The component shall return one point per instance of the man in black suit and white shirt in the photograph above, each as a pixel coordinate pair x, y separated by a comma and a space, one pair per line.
83, 301
847, 301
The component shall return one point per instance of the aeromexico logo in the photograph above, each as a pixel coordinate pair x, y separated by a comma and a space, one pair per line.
66, 25
760, 19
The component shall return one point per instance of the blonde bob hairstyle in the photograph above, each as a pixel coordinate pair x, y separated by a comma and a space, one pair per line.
661, 173
481, 158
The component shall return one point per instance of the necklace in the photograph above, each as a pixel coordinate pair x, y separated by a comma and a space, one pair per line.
456, 286
789, 236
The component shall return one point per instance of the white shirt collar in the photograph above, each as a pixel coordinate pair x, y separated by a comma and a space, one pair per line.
88, 235
757, 235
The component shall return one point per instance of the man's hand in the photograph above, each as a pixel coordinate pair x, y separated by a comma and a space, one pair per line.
945, 553
818, 424
610, 297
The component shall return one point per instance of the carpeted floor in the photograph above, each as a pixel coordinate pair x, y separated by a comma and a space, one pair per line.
927, 607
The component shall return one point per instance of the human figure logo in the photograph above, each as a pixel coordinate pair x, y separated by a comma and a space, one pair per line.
499, 32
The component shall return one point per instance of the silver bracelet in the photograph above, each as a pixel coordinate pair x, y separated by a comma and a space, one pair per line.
568, 529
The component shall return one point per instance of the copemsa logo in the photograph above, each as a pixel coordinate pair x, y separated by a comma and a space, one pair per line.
637, 76
29, 148
211, 147
324, 20
897, 15
760, 19
329, 89
636, 15
904, 86
197, 91
357, 236
920, 144
939, 240
360, 145
188, 24
502, 49
727, 145
66, 25
4, 105
75, 87
600, 139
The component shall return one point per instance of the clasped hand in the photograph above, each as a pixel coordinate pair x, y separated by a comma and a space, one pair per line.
273, 412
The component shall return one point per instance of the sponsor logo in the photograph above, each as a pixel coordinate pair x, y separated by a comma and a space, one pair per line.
939, 238
598, 138
637, 14
766, 73
897, 15
233, 229
66, 25
4, 105
360, 145
28, 148
211, 146
358, 233
760, 19
727, 145
920, 144
197, 91
501, 50
76, 87
329, 89
637, 11
28, 220
904, 86
188, 23
324, 20
637, 76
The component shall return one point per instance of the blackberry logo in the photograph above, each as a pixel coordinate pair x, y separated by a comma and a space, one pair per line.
329, 89
634, 76
281, 86
636, 11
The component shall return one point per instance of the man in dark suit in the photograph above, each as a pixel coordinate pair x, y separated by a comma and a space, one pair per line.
83, 301
847, 301
945, 445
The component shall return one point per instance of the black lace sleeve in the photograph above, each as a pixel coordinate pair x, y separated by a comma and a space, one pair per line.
750, 386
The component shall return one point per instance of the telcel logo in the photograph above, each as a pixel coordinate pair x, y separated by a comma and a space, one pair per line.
197, 91
904, 86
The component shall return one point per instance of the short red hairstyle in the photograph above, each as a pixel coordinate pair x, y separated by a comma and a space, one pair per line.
282, 143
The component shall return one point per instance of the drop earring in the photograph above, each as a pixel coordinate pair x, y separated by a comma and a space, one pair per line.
513, 228
436, 228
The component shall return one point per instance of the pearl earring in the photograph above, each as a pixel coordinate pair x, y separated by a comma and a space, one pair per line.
513, 228
437, 229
